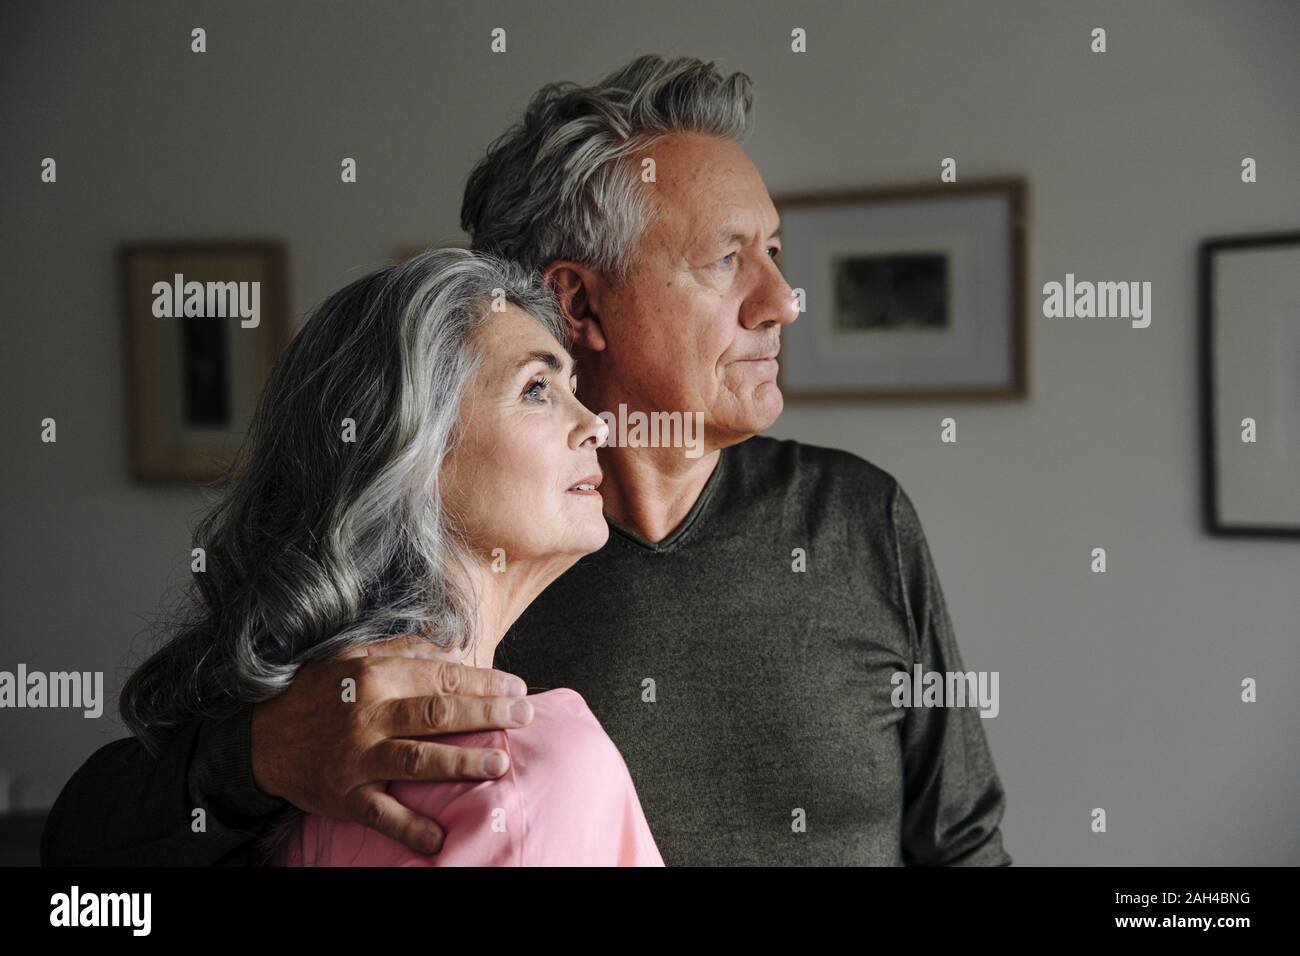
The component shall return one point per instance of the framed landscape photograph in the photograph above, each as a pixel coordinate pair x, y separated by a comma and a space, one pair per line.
1250, 383
910, 292
205, 322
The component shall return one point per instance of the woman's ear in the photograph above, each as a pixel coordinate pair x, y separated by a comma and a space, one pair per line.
575, 287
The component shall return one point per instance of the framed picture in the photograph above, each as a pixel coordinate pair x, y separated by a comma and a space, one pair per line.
909, 292
1250, 383
205, 323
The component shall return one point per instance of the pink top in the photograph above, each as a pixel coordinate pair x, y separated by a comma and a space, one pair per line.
567, 800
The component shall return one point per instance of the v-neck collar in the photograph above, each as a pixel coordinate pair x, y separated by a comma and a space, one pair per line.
681, 533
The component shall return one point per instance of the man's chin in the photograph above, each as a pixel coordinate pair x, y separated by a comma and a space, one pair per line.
759, 414
768, 403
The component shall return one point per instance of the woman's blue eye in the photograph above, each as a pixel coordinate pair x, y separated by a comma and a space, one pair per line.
730, 255
532, 388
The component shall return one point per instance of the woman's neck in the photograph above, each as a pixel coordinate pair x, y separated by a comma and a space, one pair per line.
500, 596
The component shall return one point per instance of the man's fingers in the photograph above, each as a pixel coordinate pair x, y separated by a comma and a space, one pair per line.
431, 716
410, 673
372, 806
428, 760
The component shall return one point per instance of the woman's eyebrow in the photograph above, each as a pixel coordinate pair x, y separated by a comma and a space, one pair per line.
549, 359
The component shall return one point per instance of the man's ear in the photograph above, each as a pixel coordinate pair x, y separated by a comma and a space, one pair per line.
577, 288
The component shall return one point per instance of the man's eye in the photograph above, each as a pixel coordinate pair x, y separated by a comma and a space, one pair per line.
534, 390
774, 252
727, 259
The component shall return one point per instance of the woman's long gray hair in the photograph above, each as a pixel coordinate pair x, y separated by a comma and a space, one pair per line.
321, 543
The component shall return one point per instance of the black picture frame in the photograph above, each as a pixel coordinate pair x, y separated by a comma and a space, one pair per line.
1213, 520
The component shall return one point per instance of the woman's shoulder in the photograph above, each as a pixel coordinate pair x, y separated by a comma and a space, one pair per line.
564, 738
564, 701
562, 722
567, 786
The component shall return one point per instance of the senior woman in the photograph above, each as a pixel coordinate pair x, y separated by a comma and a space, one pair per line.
418, 464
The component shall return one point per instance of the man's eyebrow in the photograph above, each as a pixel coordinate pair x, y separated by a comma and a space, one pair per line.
549, 359
729, 234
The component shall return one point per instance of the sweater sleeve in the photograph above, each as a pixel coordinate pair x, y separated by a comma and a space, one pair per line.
953, 800
127, 807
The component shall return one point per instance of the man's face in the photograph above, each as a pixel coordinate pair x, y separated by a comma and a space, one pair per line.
696, 325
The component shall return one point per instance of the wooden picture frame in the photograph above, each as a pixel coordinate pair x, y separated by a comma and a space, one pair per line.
896, 252
195, 379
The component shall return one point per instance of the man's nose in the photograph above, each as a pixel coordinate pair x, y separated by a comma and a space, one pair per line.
772, 300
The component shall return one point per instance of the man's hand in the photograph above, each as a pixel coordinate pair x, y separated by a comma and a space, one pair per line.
332, 757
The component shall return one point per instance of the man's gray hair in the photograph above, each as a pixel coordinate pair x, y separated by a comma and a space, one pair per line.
561, 184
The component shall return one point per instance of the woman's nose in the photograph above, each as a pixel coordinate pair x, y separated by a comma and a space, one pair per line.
591, 429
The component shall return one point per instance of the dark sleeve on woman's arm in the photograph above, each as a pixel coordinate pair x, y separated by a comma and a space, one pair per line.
127, 807
953, 800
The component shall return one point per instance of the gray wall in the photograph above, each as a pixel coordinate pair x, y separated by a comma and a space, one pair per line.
1118, 690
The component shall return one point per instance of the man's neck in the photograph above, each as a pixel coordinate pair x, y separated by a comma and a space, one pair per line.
649, 491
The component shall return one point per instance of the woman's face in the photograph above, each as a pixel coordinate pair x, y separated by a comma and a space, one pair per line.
526, 446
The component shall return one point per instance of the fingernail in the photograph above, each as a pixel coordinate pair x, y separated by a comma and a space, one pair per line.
432, 843
520, 711
495, 764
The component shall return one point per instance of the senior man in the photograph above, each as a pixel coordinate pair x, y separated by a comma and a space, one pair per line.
739, 634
